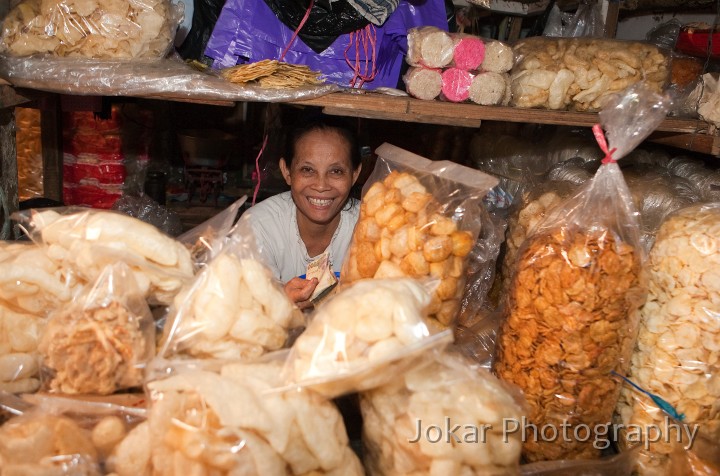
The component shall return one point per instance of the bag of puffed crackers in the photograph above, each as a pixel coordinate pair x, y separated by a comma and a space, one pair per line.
99, 343
67, 436
571, 311
98, 29
420, 219
364, 336
222, 417
678, 342
233, 308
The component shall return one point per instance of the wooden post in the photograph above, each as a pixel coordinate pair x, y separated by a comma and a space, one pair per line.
610, 13
52, 147
8, 174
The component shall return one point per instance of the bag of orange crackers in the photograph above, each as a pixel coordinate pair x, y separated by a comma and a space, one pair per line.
572, 305
418, 218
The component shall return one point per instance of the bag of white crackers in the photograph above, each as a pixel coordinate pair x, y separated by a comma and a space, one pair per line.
418, 219
678, 341
363, 337
443, 417
97, 29
571, 311
31, 287
99, 343
236, 418
84, 241
233, 309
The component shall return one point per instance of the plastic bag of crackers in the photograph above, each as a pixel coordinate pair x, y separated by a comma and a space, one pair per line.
571, 311
233, 418
676, 356
53, 435
99, 343
107, 29
233, 308
418, 218
405, 421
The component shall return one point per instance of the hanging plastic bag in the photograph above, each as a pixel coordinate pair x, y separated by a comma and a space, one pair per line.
572, 307
418, 218
235, 418
678, 337
445, 416
86, 241
100, 343
363, 337
233, 309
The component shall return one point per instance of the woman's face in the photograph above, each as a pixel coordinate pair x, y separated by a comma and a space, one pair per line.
320, 175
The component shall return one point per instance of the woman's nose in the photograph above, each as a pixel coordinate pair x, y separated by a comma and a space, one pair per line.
322, 182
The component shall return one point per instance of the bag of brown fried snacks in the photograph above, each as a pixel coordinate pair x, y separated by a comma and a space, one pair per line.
99, 343
571, 311
418, 218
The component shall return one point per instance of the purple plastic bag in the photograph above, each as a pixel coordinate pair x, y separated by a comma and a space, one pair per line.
247, 31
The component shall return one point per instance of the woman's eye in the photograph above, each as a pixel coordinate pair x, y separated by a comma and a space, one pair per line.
306, 170
337, 171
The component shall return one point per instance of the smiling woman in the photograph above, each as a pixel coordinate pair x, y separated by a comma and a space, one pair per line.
321, 164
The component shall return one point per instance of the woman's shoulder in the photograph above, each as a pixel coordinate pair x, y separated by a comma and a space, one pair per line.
278, 206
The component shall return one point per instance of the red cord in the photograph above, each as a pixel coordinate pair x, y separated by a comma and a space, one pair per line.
257, 169
602, 142
367, 40
297, 30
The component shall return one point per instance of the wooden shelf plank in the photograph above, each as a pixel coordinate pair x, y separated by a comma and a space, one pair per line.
379, 106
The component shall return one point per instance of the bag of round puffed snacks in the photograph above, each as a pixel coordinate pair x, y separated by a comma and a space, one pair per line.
364, 336
236, 418
446, 416
678, 342
418, 219
572, 307
99, 29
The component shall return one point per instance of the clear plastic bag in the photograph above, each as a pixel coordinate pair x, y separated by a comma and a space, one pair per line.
99, 343
678, 337
148, 210
363, 337
616, 465
31, 287
233, 309
577, 286
445, 416
418, 218
120, 30
85, 241
235, 418
582, 73
65, 436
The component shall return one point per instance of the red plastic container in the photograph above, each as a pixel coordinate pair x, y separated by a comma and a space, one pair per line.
694, 41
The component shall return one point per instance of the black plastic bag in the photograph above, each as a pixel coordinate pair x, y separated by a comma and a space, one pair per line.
205, 15
328, 20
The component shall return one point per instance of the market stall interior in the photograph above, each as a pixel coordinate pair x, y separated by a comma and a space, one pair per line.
532, 283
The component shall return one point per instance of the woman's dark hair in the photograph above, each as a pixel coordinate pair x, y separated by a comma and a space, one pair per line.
324, 123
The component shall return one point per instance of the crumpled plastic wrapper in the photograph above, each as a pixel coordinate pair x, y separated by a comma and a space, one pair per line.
98, 29
236, 421
85, 241
170, 78
363, 336
445, 391
676, 356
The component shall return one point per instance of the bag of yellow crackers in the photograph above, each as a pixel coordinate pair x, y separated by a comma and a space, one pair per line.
418, 218
572, 306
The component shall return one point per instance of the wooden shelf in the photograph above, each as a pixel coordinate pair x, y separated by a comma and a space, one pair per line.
691, 134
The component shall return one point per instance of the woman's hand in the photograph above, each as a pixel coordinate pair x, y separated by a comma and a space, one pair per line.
299, 291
